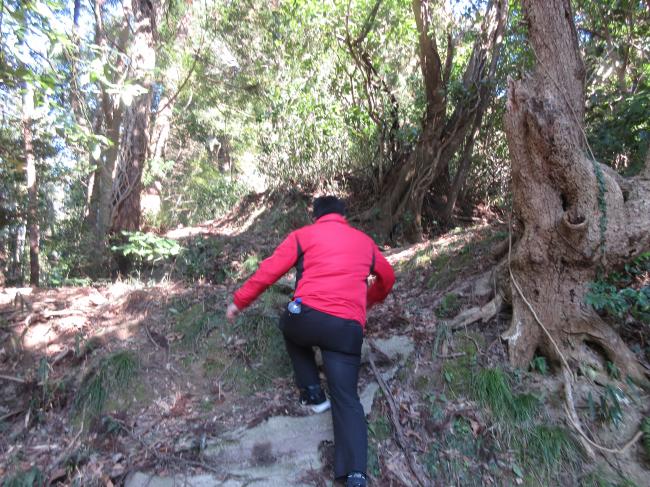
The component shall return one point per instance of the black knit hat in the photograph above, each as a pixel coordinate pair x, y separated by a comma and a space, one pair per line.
328, 204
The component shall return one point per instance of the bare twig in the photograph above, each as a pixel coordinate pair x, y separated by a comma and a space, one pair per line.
13, 379
11, 414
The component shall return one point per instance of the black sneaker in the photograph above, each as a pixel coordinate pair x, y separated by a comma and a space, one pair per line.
314, 397
356, 479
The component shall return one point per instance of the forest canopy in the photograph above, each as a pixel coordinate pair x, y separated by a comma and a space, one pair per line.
190, 105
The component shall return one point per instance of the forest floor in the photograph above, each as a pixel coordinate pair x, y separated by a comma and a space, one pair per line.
143, 382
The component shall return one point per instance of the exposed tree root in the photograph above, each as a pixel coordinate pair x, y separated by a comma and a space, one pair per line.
568, 379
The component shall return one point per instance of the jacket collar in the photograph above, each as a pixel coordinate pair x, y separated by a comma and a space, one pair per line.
332, 217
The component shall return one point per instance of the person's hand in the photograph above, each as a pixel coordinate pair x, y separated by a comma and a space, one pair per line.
232, 311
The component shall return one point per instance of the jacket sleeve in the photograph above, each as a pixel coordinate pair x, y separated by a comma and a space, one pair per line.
385, 278
271, 269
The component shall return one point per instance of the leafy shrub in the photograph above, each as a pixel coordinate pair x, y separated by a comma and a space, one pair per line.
196, 193
201, 259
620, 294
539, 364
147, 247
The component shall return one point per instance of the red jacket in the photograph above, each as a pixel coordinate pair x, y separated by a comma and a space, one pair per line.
333, 261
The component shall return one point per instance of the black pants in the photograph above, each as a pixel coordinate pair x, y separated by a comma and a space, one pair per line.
340, 343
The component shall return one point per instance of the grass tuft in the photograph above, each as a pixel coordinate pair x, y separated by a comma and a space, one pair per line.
548, 448
114, 373
490, 387
449, 306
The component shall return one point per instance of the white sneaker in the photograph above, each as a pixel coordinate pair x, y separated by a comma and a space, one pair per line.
322, 407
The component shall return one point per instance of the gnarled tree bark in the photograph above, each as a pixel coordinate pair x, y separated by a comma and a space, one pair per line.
574, 213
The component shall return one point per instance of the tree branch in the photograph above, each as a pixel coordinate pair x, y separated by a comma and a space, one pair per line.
429, 58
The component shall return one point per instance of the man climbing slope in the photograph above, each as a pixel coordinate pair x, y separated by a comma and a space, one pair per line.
333, 262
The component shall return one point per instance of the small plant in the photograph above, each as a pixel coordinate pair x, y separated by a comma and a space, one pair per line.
613, 370
380, 429
610, 410
539, 364
28, 478
448, 307
201, 260
250, 264
113, 372
624, 293
147, 247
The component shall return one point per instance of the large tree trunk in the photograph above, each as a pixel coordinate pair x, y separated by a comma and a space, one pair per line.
442, 134
32, 185
573, 212
134, 142
108, 117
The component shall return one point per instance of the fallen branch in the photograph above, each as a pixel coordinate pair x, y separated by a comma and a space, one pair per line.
452, 355
482, 313
61, 312
11, 414
13, 379
394, 415
61, 355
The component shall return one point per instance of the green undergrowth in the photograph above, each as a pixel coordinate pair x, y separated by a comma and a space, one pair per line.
625, 293
518, 432
27, 478
246, 355
600, 478
107, 382
442, 259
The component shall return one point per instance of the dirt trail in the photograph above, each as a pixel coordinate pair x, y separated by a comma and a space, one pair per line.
283, 448
143, 382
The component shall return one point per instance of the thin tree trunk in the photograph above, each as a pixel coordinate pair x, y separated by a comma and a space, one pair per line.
32, 185
461, 173
16, 269
173, 85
